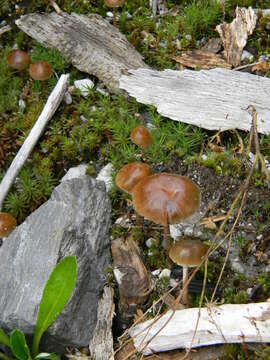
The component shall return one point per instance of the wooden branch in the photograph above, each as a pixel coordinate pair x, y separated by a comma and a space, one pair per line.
49, 109
214, 99
101, 346
206, 353
90, 43
217, 325
234, 35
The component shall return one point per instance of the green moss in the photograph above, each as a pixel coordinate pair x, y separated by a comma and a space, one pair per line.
200, 18
224, 163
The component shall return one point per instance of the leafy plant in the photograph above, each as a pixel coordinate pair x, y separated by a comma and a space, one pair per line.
55, 295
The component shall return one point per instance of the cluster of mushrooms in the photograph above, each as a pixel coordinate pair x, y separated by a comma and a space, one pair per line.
164, 199
19, 60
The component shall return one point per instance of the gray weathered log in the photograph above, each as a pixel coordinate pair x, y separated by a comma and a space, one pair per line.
90, 43
217, 325
101, 345
212, 99
48, 111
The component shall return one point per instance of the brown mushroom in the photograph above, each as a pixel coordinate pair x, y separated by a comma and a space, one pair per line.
7, 224
187, 252
18, 59
114, 4
130, 174
141, 137
166, 199
40, 70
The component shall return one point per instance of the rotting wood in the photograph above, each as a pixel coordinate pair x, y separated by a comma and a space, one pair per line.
90, 43
130, 272
214, 99
132, 278
48, 111
101, 346
224, 324
202, 59
234, 35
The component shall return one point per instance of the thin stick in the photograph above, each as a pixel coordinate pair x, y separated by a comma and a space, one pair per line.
55, 6
49, 109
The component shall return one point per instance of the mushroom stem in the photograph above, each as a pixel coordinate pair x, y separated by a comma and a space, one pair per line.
167, 237
139, 220
185, 288
114, 16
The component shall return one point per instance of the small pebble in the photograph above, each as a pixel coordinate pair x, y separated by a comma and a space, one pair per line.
246, 55
156, 272
165, 273
22, 105
150, 242
84, 86
68, 98
188, 37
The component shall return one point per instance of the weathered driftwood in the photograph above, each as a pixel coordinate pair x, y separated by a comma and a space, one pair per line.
130, 272
208, 353
213, 99
217, 325
234, 35
49, 109
202, 59
101, 346
90, 43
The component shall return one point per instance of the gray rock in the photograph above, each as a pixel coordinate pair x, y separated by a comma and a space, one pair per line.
75, 220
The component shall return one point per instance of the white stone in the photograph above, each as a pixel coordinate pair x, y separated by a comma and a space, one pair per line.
156, 272
246, 55
21, 104
75, 172
67, 98
150, 242
165, 273
176, 231
105, 175
84, 85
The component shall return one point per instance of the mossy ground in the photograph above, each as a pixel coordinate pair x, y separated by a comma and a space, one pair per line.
95, 130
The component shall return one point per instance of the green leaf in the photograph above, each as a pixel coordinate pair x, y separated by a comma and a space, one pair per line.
18, 345
55, 296
4, 339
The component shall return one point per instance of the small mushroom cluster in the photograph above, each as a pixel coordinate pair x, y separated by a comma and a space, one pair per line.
20, 60
164, 199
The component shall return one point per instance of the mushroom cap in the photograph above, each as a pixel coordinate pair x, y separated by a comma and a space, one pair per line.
141, 137
114, 3
18, 59
166, 198
7, 224
130, 175
40, 70
188, 252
